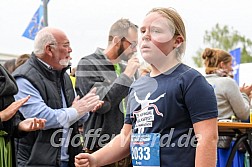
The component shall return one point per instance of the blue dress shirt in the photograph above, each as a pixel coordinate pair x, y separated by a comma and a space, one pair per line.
56, 118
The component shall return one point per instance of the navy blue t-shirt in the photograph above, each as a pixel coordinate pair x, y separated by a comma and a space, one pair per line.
170, 104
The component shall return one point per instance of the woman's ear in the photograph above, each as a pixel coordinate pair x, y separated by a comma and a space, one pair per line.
179, 40
222, 65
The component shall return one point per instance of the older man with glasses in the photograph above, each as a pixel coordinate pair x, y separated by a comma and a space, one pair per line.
44, 78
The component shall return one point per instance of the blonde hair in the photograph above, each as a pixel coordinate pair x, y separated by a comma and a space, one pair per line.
178, 24
144, 69
213, 57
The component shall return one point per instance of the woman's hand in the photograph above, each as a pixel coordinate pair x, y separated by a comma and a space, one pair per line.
31, 124
11, 110
246, 89
85, 160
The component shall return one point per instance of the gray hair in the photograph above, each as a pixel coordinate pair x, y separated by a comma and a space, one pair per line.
43, 38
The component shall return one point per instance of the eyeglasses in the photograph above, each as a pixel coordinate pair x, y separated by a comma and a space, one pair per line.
132, 44
65, 45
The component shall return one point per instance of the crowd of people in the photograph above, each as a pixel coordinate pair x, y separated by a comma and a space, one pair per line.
161, 114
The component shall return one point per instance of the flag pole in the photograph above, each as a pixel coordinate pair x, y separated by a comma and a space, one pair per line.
45, 12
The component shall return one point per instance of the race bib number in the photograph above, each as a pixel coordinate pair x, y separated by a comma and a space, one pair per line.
145, 149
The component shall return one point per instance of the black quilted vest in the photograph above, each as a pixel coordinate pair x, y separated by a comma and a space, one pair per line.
36, 148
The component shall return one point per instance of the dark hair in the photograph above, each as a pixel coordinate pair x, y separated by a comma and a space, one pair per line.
10, 65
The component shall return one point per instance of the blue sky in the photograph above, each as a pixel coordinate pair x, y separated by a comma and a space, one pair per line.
87, 23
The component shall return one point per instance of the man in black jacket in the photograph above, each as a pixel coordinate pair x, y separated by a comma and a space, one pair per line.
44, 77
104, 69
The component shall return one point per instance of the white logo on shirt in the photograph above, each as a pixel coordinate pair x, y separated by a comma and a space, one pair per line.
145, 116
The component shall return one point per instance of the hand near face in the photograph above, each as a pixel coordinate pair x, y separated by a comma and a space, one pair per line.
31, 124
11, 110
132, 66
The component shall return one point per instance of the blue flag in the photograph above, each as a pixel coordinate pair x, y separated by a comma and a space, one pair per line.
236, 54
36, 24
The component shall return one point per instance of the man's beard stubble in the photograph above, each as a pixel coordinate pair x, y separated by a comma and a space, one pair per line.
121, 54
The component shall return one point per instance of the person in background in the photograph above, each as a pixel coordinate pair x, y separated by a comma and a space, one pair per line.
144, 69
72, 76
104, 70
73, 79
9, 65
43, 76
12, 123
21, 60
172, 102
231, 100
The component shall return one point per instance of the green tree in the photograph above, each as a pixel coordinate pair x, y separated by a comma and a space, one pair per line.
226, 39
197, 59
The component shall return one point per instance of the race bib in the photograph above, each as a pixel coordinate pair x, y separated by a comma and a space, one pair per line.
145, 150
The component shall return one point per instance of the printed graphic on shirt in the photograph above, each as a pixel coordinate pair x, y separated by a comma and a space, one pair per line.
145, 116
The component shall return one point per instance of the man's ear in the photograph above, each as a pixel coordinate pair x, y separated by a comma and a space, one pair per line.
116, 40
48, 49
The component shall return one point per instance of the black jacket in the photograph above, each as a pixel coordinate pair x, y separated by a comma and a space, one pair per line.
8, 89
95, 71
36, 149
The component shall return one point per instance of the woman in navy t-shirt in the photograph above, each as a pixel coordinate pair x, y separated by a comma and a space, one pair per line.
171, 113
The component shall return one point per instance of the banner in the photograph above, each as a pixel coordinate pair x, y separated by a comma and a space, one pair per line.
236, 54
36, 23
